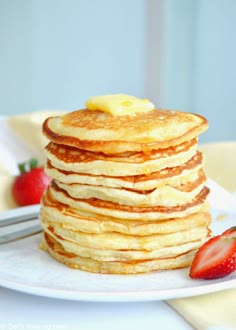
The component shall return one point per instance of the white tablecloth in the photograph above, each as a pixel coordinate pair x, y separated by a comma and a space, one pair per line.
21, 311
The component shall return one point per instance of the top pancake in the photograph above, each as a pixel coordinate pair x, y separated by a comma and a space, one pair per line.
95, 130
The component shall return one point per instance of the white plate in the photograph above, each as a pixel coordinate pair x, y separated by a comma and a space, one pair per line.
24, 267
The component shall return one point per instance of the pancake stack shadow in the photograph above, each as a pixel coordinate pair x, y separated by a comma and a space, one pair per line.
127, 194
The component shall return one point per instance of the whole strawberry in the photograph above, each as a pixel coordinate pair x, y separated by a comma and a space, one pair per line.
29, 186
216, 258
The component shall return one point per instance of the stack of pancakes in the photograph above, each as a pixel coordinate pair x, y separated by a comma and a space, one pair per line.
128, 192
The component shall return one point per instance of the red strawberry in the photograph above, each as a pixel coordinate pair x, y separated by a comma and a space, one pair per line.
29, 186
216, 258
231, 232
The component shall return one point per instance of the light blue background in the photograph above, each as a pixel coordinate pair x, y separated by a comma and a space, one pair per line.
199, 62
57, 53
54, 54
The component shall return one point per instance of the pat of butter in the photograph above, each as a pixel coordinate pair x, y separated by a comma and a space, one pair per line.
119, 104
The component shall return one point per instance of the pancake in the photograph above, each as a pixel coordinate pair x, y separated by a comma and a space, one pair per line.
118, 241
57, 251
124, 255
162, 196
128, 190
96, 131
173, 176
78, 220
129, 212
131, 163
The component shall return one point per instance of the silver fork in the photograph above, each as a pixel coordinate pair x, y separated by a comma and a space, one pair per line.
18, 216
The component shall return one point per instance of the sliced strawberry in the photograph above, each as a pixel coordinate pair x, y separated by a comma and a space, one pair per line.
231, 232
216, 258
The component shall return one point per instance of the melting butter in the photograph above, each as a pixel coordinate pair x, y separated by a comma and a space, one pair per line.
119, 104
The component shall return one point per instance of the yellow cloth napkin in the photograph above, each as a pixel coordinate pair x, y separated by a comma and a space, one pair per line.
220, 163
215, 311
6, 180
6, 200
211, 311
26, 128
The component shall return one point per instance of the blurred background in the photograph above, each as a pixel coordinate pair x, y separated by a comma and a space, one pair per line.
55, 54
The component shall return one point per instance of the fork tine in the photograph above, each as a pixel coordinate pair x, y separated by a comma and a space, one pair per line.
17, 216
13, 236
20, 214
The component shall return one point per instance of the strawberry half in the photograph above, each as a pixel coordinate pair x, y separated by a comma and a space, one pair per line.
216, 258
28, 187
231, 232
